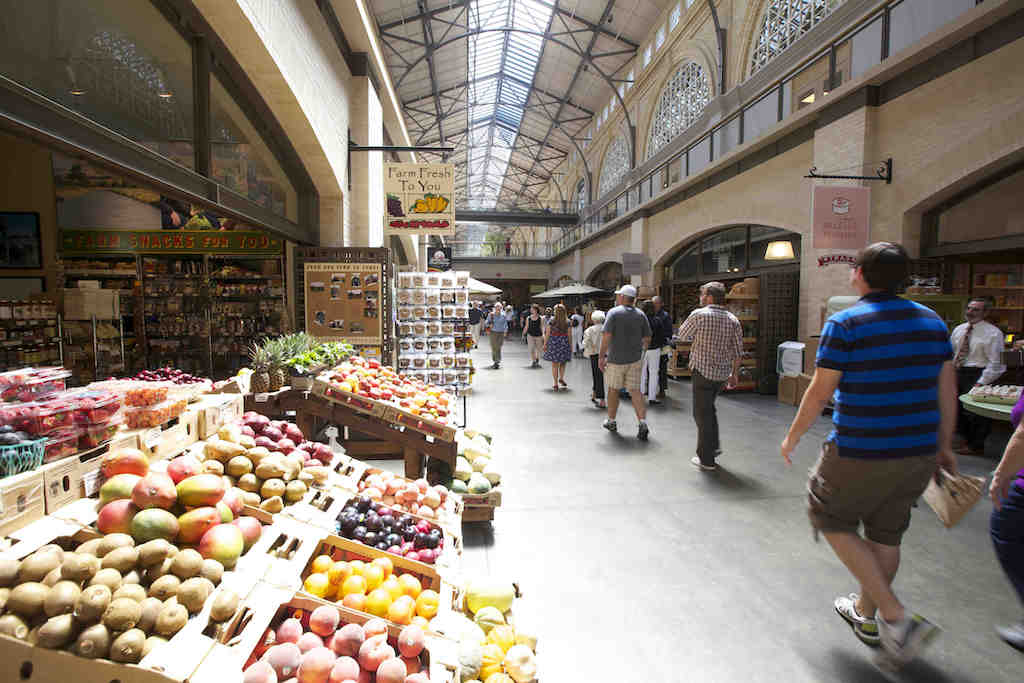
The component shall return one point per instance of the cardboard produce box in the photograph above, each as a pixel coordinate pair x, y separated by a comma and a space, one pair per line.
62, 481
22, 500
788, 390
215, 410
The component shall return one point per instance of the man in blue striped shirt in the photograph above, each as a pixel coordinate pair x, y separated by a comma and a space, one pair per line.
888, 364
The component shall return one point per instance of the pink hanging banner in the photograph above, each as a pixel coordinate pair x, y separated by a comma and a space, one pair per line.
841, 217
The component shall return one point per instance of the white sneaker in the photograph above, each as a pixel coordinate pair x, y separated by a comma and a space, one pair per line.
695, 461
866, 629
904, 641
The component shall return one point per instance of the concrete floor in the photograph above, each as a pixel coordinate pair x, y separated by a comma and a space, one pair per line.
636, 567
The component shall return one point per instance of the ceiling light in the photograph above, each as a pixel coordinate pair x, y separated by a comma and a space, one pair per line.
165, 94
76, 91
779, 251
809, 99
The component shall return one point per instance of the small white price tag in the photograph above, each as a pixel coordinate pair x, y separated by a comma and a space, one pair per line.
152, 438
91, 483
260, 398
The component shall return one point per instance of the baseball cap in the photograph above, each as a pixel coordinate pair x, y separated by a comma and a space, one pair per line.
627, 290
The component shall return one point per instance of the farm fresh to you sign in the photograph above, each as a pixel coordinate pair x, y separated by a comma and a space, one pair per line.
419, 198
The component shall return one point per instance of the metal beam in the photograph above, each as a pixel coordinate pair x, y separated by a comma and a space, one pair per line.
571, 14
424, 14
517, 217
428, 38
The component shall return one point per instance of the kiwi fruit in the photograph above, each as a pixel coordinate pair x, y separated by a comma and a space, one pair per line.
132, 591
4, 594
153, 553
57, 632
272, 505
131, 577
111, 542
52, 578
150, 611
36, 566
9, 572
93, 642
213, 467
186, 564
26, 600
122, 559
109, 577
249, 483
193, 593
79, 567
212, 570
151, 643
92, 603
122, 614
127, 647
224, 605
165, 587
62, 598
172, 618
89, 547
14, 626
156, 571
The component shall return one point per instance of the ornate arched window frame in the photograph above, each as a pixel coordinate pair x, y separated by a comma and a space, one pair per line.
616, 164
680, 103
580, 196
781, 24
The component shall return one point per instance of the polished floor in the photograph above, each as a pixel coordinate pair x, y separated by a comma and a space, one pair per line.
636, 567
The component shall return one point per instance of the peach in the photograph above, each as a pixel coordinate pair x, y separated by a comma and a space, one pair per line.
309, 641
417, 678
344, 669
260, 672
316, 665
374, 651
375, 627
324, 621
391, 671
411, 641
412, 665
347, 640
284, 658
289, 631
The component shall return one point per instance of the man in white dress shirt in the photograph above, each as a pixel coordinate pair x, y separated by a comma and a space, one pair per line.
978, 346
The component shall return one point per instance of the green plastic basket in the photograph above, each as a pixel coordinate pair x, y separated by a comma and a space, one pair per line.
24, 457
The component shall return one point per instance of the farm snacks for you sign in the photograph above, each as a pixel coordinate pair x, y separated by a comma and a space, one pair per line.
419, 198
343, 301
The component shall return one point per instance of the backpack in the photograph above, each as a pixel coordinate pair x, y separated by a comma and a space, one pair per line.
575, 322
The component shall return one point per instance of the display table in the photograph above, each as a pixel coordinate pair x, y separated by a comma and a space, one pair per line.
993, 411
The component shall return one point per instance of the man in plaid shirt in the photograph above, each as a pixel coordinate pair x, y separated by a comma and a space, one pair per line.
717, 338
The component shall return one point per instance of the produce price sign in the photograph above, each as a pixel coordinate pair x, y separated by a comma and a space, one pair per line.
419, 199
343, 302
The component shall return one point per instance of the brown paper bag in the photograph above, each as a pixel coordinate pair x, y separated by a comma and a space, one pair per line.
952, 496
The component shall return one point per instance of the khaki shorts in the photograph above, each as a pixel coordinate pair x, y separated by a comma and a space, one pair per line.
842, 493
623, 376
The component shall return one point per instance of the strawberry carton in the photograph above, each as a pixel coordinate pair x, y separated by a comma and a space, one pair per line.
61, 444
94, 407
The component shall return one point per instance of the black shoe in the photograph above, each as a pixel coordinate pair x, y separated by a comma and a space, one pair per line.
642, 431
654, 402
495, 366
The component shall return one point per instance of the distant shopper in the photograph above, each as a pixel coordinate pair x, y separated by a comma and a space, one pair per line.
533, 334
624, 339
894, 423
1006, 526
715, 354
978, 345
577, 321
592, 350
556, 346
510, 317
508, 247
476, 316
497, 327
649, 378
666, 325
523, 315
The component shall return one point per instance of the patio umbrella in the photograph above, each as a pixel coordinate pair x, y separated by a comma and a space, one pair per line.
568, 291
477, 287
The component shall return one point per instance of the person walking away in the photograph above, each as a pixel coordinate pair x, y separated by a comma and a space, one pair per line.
556, 346
497, 326
978, 345
715, 355
650, 377
592, 350
533, 334
624, 338
1006, 526
475, 317
510, 317
666, 324
577, 321
523, 315
508, 247
893, 424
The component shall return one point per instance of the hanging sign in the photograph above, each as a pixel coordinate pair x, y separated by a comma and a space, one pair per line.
834, 259
841, 216
439, 259
635, 264
84, 242
419, 199
343, 302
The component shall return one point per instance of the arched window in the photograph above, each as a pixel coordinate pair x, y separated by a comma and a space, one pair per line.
615, 166
581, 195
680, 103
784, 22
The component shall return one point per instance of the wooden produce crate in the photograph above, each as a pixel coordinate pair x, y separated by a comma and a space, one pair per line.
250, 634
360, 404
418, 423
216, 410
349, 470
285, 547
478, 513
450, 510
22, 500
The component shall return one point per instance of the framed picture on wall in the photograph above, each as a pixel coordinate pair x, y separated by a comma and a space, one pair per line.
20, 245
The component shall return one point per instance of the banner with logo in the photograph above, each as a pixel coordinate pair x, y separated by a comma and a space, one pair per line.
419, 199
85, 242
439, 259
841, 216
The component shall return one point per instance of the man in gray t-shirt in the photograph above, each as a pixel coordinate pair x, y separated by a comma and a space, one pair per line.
625, 338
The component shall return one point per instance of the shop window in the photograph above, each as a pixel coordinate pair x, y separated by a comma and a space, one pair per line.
912, 20
118, 63
784, 22
686, 266
725, 251
680, 103
768, 246
241, 160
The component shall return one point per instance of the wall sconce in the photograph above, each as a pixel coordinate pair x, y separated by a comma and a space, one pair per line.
779, 251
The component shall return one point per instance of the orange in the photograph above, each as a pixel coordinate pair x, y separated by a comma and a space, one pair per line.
322, 563
421, 622
356, 601
392, 586
316, 584
374, 576
386, 564
338, 572
353, 584
427, 604
400, 611
410, 585
378, 602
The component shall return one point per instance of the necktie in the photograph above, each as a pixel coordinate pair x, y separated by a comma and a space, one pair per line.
965, 348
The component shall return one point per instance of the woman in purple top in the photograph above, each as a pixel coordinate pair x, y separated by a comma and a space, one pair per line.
1007, 524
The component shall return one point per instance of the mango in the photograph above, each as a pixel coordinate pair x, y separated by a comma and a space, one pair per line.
194, 523
124, 461
226, 516
154, 523
154, 490
116, 517
223, 543
118, 487
251, 530
201, 490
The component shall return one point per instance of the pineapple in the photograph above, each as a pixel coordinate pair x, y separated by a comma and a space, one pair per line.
277, 354
260, 381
